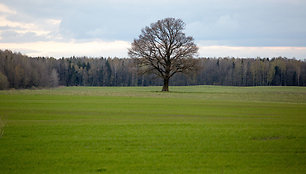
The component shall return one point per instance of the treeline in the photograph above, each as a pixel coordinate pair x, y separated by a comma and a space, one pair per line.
20, 71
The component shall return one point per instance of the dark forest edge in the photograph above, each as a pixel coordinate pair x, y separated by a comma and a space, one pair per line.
20, 71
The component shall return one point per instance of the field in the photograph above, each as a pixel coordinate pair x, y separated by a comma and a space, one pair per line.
196, 129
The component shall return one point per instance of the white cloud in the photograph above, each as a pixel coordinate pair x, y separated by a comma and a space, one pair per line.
73, 48
20, 27
6, 10
97, 48
252, 52
220, 27
40, 27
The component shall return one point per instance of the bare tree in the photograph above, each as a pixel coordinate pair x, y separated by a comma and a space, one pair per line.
53, 78
163, 49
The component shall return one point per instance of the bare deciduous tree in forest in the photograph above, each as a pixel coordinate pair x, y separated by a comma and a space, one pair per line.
163, 49
20, 71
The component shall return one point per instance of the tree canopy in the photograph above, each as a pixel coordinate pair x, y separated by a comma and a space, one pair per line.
164, 50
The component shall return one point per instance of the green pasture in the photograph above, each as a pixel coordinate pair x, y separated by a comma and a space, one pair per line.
194, 129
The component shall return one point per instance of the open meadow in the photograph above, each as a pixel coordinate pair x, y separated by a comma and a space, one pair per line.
194, 129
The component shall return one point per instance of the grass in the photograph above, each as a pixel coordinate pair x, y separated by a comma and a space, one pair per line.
195, 129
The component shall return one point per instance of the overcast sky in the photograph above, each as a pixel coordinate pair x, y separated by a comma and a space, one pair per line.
238, 28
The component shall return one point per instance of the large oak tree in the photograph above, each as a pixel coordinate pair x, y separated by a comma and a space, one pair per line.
164, 49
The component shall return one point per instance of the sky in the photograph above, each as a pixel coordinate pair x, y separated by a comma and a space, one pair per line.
95, 28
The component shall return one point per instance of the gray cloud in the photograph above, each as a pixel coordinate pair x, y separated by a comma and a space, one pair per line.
14, 37
226, 22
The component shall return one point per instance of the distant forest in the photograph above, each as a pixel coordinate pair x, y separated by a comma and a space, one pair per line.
20, 71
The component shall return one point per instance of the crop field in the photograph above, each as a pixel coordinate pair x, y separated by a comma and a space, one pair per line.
194, 129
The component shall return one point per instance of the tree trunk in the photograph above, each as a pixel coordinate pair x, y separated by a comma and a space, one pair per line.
166, 85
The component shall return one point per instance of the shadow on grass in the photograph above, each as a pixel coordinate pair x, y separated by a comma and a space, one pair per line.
101, 170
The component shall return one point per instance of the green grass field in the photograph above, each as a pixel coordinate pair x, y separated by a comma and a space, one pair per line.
196, 129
